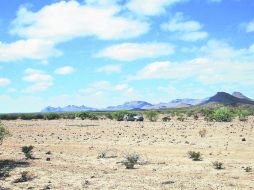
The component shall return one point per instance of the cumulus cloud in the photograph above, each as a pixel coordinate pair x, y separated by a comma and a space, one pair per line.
27, 49
4, 81
63, 21
187, 30
110, 69
150, 7
134, 51
220, 64
64, 70
40, 81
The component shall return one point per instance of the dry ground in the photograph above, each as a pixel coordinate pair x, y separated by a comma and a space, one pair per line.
163, 147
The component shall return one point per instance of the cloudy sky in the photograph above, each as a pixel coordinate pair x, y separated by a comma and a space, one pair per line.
105, 52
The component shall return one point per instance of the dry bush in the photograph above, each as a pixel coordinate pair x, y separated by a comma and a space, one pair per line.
202, 133
25, 176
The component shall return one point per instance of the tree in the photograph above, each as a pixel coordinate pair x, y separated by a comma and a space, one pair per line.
152, 115
119, 115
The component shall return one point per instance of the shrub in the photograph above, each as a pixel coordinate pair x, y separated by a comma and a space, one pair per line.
180, 118
25, 176
243, 115
248, 169
152, 115
218, 165
202, 133
3, 133
9, 116
222, 115
52, 116
27, 150
86, 115
195, 156
82, 115
131, 161
195, 116
108, 115
119, 115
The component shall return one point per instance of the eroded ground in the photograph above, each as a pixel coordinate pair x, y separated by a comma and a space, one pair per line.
163, 146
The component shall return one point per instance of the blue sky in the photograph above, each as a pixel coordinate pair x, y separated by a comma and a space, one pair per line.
105, 52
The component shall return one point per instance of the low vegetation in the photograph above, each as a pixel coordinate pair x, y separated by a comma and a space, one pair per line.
131, 160
218, 165
248, 169
25, 176
119, 115
28, 151
195, 156
216, 113
3, 133
152, 115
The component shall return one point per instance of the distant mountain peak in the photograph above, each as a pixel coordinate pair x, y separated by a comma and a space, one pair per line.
240, 95
225, 98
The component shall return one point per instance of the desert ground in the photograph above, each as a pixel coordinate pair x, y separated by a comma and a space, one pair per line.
75, 145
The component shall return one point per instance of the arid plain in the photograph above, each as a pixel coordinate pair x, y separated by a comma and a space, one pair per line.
73, 148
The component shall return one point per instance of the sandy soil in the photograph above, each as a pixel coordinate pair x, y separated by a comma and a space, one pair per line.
162, 146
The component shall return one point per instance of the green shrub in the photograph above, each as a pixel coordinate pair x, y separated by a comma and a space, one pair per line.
180, 118
82, 115
108, 115
86, 115
221, 115
3, 133
243, 115
152, 115
218, 165
51, 116
119, 115
9, 116
27, 150
195, 156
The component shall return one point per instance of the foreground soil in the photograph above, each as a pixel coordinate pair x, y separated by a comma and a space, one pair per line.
75, 145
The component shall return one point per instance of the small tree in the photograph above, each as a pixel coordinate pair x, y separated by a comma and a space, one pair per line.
3, 133
27, 150
119, 115
222, 115
82, 115
52, 116
152, 115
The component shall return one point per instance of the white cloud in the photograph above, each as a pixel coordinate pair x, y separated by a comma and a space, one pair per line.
133, 51
194, 36
63, 21
64, 70
110, 69
249, 27
27, 49
150, 7
219, 64
40, 81
121, 87
4, 81
187, 30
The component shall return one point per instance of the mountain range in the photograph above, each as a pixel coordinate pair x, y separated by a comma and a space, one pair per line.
236, 98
